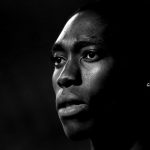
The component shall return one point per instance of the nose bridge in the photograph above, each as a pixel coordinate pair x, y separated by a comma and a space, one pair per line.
70, 74
69, 68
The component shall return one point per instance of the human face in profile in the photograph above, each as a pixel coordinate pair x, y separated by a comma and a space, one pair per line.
82, 70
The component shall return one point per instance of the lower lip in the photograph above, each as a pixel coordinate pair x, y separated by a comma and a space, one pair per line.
72, 110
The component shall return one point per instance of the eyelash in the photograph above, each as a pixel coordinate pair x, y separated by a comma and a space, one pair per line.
88, 53
60, 60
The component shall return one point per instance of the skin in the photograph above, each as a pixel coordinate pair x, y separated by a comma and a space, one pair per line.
87, 76
86, 70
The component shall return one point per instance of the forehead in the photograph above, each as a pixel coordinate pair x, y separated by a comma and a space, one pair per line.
82, 26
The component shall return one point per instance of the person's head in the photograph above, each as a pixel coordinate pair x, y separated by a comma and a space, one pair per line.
92, 79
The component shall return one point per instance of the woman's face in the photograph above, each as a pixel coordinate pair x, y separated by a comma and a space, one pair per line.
82, 74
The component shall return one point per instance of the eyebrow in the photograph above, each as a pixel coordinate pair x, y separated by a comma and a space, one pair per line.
80, 44
57, 47
60, 47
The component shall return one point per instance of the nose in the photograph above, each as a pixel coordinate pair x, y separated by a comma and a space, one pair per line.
70, 75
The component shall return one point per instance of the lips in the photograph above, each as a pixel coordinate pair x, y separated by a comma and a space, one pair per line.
70, 106
72, 110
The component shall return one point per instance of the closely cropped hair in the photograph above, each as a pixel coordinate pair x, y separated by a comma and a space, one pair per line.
126, 39
127, 33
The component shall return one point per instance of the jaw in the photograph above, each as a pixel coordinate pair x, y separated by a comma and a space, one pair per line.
77, 129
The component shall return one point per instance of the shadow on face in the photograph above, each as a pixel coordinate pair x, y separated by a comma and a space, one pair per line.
93, 77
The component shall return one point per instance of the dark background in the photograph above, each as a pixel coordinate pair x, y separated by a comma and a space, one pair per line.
28, 120
28, 28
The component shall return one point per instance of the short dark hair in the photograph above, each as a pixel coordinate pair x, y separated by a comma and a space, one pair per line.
128, 41
127, 35
115, 17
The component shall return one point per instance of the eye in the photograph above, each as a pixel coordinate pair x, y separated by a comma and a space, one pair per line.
90, 56
59, 61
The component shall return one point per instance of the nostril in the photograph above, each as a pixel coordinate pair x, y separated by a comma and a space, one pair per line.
70, 75
65, 82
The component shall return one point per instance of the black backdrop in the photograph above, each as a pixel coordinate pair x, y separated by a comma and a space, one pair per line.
28, 119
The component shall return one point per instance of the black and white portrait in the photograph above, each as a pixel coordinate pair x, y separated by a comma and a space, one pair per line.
74, 75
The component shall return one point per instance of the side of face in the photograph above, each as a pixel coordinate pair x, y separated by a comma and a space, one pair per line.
82, 73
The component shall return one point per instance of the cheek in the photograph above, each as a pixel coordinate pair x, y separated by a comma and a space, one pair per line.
54, 80
58, 91
96, 86
96, 76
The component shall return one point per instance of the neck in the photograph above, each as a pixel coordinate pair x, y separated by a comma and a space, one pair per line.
118, 134
114, 143
108, 138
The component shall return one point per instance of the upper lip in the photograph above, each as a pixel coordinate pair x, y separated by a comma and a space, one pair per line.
67, 100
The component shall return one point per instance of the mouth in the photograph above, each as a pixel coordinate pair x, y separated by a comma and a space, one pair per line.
71, 108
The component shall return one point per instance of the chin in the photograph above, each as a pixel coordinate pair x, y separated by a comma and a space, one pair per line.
76, 130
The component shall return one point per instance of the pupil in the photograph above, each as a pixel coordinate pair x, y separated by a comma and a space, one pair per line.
91, 55
58, 60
